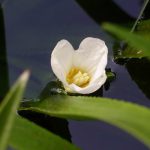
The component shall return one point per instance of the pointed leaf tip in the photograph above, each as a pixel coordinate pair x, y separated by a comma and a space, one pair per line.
25, 75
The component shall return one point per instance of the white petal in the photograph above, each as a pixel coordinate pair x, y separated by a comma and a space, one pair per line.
91, 56
61, 59
94, 86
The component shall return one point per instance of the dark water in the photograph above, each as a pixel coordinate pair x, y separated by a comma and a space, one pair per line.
32, 30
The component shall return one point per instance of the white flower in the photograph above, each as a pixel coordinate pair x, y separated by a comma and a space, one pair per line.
83, 70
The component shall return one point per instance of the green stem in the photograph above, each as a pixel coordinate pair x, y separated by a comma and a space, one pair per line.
140, 15
4, 79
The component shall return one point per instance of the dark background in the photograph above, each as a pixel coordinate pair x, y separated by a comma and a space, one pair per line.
33, 28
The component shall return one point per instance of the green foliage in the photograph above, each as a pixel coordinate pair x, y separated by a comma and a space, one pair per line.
110, 75
140, 48
143, 28
28, 136
145, 4
20, 133
139, 44
131, 117
131, 52
8, 109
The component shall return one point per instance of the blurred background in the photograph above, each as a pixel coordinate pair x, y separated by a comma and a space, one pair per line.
31, 29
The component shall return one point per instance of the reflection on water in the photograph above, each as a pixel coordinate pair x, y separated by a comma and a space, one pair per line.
32, 30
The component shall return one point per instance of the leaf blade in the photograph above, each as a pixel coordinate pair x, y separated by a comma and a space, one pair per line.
8, 108
121, 114
135, 40
36, 138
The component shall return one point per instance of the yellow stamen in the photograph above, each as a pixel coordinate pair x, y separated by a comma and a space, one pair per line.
78, 77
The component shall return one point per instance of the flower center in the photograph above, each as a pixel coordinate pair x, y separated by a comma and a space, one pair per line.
78, 77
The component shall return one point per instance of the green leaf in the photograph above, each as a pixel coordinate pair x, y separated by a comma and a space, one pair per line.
140, 43
130, 117
131, 52
8, 109
143, 28
110, 75
28, 136
143, 8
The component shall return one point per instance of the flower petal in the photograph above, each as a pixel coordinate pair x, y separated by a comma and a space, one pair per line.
91, 56
61, 59
94, 86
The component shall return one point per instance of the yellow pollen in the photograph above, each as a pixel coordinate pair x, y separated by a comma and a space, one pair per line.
78, 77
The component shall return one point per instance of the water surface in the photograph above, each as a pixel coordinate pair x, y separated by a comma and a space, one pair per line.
33, 28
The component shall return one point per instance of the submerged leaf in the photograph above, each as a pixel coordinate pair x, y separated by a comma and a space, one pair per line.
131, 52
139, 71
143, 28
130, 117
